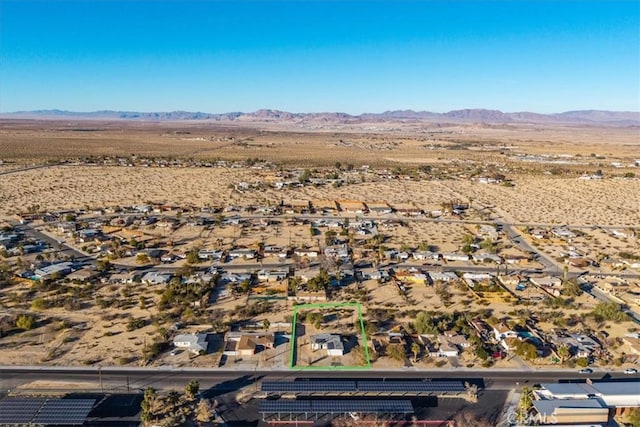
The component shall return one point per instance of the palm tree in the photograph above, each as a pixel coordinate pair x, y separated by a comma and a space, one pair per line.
173, 398
191, 390
415, 349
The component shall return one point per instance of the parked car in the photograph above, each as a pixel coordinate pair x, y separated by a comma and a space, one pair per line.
631, 371
586, 371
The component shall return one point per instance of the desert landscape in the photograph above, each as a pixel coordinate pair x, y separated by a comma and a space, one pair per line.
446, 234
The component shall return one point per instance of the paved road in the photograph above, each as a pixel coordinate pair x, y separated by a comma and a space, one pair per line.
122, 379
59, 244
26, 169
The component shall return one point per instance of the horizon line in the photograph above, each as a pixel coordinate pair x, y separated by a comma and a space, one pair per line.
408, 110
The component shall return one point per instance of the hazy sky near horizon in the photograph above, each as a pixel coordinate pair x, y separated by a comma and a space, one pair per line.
312, 55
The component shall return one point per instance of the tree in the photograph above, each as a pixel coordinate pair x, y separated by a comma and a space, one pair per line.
633, 417
415, 349
191, 390
423, 324
245, 286
304, 176
319, 282
468, 239
25, 322
563, 353
266, 324
488, 245
329, 235
103, 265
173, 398
203, 411
481, 352
147, 404
142, 258
315, 319
526, 350
472, 391
583, 362
571, 288
424, 246
396, 352
39, 303
524, 405
192, 256
609, 311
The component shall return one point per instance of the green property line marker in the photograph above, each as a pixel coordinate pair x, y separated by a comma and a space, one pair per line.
328, 305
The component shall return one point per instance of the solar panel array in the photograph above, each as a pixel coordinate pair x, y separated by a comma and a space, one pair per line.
309, 386
363, 386
411, 386
336, 406
18, 410
45, 411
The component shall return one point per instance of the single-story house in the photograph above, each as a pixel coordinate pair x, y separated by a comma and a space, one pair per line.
242, 253
51, 271
156, 278
195, 343
84, 274
381, 208
272, 275
124, 278
330, 342
375, 274
247, 343
501, 331
455, 257
309, 253
446, 276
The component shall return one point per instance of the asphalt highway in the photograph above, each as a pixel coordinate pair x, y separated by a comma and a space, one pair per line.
221, 380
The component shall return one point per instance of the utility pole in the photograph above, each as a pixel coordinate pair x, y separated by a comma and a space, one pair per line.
100, 377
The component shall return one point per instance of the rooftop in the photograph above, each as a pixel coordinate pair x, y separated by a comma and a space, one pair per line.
549, 407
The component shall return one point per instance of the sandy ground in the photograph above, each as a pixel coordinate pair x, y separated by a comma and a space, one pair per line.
535, 199
99, 336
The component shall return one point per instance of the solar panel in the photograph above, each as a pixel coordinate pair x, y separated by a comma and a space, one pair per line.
309, 386
45, 411
336, 406
395, 386
19, 410
64, 411
368, 406
296, 406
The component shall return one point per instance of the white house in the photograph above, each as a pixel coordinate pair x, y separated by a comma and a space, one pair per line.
446, 276
242, 253
195, 343
501, 331
455, 257
424, 255
330, 342
156, 278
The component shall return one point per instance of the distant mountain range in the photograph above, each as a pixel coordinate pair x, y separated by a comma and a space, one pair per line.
586, 117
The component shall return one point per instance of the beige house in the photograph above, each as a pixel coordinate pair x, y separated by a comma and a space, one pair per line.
247, 343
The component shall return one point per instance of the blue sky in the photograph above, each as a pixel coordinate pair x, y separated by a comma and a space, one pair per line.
309, 56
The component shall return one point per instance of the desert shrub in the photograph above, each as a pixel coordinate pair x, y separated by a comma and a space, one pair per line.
25, 321
134, 324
